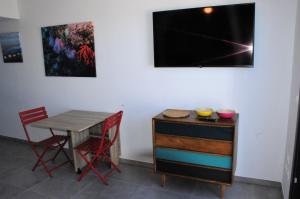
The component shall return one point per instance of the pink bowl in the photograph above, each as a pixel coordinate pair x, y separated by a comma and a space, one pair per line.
226, 113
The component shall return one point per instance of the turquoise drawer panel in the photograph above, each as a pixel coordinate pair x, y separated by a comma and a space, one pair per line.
194, 158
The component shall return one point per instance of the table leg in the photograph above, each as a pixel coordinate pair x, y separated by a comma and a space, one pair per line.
163, 180
76, 139
115, 149
222, 190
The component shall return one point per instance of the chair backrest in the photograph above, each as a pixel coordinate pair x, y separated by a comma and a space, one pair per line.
32, 115
113, 121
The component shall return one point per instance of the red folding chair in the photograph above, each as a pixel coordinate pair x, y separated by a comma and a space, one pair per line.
98, 148
55, 141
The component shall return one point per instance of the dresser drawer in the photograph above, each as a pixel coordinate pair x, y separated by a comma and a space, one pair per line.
194, 144
193, 130
209, 174
195, 158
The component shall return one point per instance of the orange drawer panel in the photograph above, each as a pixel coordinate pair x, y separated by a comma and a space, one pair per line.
194, 144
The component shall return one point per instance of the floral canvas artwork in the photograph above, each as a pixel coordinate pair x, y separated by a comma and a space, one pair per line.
11, 47
69, 50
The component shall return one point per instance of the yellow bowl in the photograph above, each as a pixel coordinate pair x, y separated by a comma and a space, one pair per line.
204, 112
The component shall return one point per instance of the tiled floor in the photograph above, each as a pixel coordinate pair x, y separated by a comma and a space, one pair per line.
18, 181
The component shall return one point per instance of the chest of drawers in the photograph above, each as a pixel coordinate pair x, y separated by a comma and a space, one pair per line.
201, 150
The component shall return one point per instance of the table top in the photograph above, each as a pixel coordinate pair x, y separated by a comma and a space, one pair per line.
74, 120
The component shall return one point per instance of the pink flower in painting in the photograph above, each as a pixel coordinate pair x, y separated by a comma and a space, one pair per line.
58, 45
80, 34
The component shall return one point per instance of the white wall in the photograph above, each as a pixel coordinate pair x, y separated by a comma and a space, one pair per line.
126, 78
292, 122
9, 9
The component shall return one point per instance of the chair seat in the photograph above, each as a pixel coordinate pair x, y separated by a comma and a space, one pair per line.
52, 140
91, 145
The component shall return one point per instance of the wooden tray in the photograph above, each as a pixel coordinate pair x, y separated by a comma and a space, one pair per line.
174, 113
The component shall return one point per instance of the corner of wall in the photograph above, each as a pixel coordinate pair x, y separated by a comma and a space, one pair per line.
293, 111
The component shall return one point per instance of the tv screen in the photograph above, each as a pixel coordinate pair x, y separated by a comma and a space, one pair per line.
218, 36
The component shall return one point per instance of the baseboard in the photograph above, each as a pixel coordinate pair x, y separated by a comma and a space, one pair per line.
12, 139
19, 140
150, 165
136, 163
257, 181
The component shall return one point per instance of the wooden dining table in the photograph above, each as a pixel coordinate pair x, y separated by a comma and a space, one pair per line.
79, 125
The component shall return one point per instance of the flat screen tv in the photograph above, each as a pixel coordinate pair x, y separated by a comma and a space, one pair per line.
217, 36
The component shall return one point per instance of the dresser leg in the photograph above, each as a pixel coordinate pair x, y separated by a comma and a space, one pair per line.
222, 190
162, 180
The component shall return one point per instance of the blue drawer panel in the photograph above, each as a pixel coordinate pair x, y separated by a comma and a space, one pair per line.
194, 158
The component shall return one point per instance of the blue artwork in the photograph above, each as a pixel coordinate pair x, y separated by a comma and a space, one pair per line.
11, 47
